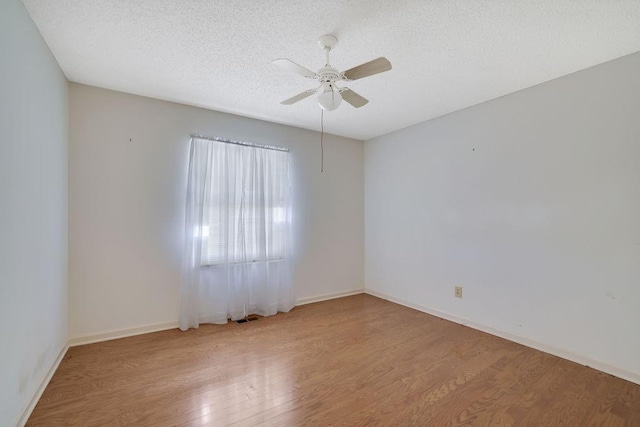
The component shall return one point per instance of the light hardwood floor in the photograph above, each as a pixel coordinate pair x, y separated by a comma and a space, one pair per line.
352, 361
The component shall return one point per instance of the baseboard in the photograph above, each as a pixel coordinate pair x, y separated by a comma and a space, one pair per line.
43, 385
122, 333
582, 360
325, 297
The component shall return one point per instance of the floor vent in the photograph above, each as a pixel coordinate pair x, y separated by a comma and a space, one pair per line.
249, 318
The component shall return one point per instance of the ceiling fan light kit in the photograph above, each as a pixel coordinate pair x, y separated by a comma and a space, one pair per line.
331, 95
330, 99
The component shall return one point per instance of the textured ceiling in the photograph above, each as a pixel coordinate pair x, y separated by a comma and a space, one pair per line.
446, 55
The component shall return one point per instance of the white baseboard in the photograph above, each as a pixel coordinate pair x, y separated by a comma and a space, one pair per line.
582, 360
43, 385
122, 333
325, 297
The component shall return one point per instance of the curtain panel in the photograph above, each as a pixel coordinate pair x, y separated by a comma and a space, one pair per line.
237, 256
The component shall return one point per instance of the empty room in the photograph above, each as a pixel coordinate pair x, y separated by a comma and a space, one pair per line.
290, 213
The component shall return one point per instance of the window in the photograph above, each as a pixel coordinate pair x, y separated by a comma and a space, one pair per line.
245, 205
245, 236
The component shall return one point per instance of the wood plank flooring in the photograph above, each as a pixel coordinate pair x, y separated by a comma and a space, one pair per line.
352, 361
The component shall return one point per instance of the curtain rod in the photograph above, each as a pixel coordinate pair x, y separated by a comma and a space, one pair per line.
246, 144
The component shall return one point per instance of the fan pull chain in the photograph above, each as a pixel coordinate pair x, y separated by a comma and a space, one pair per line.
321, 140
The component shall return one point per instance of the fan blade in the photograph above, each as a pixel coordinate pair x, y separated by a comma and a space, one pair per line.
292, 66
378, 65
353, 98
298, 97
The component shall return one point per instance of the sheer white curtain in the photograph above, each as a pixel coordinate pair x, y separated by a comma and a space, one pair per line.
238, 233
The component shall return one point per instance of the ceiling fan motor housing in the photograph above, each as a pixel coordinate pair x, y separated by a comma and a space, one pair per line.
328, 74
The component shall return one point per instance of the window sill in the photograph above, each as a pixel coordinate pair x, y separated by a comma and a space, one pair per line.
221, 264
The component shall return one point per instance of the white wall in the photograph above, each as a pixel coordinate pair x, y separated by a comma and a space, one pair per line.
33, 210
128, 168
531, 202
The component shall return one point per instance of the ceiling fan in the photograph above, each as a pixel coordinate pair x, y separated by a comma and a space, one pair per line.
331, 95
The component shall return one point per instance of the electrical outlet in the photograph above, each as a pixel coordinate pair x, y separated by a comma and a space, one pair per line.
458, 291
